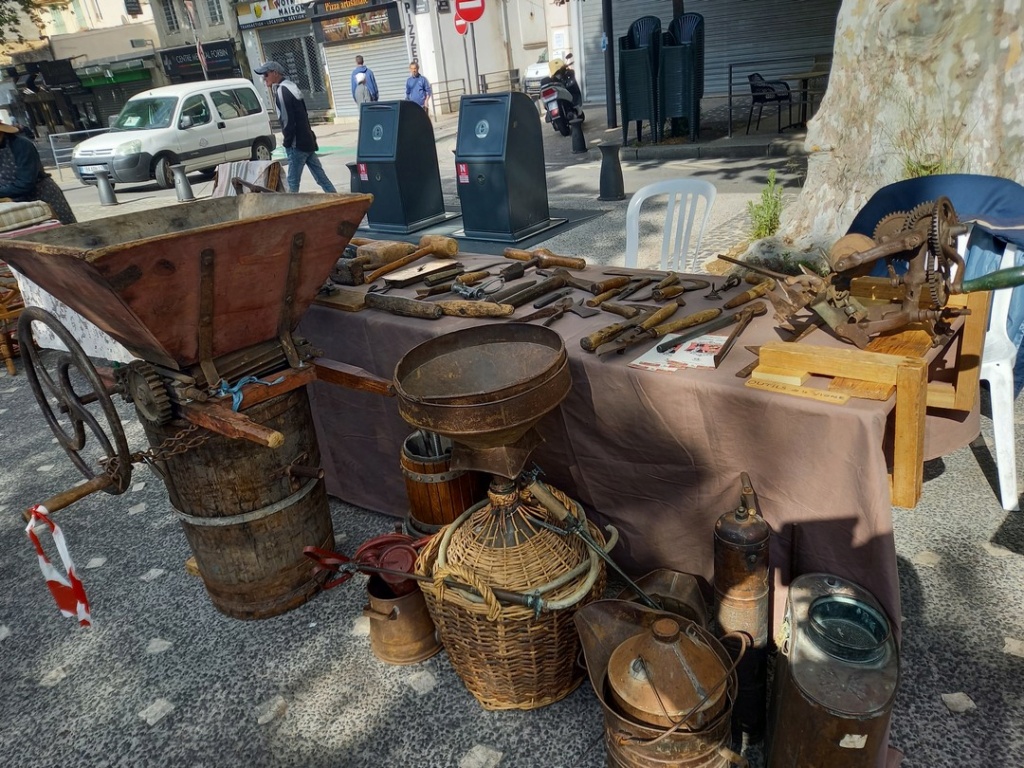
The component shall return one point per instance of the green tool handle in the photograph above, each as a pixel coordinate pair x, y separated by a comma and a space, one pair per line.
1001, 278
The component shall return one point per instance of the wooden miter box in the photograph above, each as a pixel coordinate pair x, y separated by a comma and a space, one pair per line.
892, 363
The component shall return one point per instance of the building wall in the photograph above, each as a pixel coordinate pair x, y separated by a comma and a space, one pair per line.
108, 44
83, 15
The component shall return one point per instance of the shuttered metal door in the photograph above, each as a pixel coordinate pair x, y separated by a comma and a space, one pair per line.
386, 57
294, 47
734, 31
110, 99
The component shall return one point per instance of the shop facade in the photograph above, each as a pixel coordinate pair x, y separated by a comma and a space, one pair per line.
111, 85
182, 64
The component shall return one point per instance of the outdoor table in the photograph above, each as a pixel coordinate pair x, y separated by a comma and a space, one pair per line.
658, 455
804, 78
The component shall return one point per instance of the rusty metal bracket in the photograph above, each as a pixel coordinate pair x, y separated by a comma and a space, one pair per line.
285, 322
206, 298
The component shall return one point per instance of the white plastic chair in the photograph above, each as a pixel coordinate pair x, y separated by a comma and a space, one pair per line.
684, 221
997, 360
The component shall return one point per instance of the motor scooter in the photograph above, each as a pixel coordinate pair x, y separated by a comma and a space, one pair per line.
563, 100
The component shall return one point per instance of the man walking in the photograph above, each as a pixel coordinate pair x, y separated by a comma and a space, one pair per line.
371, 81
299, 140
417, 88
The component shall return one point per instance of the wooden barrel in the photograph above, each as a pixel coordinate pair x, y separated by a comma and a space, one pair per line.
437, 495
246, 517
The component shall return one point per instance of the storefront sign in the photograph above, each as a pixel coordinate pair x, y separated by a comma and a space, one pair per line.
183, 63
263, 13
378, 21
421, 6
133, 7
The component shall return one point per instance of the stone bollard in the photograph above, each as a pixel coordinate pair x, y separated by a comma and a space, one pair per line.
611, 173
579, 141
107, 196
181, 186
353, 182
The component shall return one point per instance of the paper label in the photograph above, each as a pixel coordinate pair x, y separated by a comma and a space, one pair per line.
853, 741
363, 174
462, 172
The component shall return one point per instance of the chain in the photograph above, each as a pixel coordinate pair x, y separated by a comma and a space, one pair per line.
178, 443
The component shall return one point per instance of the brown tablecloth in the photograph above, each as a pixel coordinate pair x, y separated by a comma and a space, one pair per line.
658, 455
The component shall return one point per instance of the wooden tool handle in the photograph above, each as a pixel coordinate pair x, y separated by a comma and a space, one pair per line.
756, 292
472, 278
659, 317
671, 279
398, 305
517, 254
553, 258
696, 318
609, 332
566, 262
607, 285
622, 310
671, 292
602, 297
459, 308
398, 264
379, 252
535, 292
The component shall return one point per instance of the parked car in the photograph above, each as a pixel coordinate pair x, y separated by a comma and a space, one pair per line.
199, 125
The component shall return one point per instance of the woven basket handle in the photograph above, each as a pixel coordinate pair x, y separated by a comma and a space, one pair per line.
467, 577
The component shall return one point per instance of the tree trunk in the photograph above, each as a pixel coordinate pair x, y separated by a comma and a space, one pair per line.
916, 86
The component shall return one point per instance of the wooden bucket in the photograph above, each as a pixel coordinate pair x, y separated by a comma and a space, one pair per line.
437, 495
246, 517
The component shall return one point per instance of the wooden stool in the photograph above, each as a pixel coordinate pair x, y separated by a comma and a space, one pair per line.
11, 305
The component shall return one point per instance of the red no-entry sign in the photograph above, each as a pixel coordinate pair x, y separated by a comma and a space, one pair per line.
469, 10
460, 25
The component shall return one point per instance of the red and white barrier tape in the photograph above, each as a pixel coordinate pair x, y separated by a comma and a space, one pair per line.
67, 591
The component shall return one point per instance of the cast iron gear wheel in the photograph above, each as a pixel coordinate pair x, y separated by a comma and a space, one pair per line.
940, 242
147, 390
889, 225
920, 211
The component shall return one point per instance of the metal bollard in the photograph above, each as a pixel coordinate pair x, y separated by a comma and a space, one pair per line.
579, 141
107, 196
181, 186
611, 173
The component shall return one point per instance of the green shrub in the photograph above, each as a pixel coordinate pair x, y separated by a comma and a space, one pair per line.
766, 214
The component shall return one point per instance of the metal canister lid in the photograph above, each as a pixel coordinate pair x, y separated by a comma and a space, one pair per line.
666, 674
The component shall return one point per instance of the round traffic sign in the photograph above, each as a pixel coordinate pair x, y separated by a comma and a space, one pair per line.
461, 26
470, 10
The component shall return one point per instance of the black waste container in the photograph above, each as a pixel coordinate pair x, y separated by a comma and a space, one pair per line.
396, 161
499, 167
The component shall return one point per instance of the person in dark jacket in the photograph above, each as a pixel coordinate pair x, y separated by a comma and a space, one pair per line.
299, 140
22, 177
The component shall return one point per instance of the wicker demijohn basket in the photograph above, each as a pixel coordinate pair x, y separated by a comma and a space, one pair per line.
509, 656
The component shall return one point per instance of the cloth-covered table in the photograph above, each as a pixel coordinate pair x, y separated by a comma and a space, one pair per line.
658, 455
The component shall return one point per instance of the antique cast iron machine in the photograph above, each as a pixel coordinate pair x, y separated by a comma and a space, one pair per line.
207, 297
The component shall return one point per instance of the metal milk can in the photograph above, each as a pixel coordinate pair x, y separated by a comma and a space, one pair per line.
835, 679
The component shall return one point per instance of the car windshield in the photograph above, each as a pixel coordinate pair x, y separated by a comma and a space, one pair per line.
143, 114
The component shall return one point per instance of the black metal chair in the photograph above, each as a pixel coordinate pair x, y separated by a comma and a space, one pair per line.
763, 92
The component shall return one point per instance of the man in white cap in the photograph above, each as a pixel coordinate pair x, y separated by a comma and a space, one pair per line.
299, 140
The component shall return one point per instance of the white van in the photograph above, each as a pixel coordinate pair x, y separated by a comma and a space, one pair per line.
198, 124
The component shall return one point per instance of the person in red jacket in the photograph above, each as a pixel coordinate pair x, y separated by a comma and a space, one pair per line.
299, 140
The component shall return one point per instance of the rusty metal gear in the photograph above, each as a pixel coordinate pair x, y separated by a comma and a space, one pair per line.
940, 239
147, 390
889, 225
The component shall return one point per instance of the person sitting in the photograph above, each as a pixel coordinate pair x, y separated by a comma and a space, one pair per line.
22, 177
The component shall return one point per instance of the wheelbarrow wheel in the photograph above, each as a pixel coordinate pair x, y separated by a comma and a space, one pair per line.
56, 393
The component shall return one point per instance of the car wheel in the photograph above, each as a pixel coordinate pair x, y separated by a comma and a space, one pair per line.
163, 174
261, 150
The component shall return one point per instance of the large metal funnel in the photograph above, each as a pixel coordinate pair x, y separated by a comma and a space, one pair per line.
485, 388
185, 283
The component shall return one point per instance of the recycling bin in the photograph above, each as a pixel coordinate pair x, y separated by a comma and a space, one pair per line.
499, 163
396, 162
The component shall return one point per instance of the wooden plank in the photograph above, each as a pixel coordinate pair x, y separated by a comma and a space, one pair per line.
821, 395
830, 361
224, 421
908, 450
909, 343
347, 299
972, 343
352, 377
780, 375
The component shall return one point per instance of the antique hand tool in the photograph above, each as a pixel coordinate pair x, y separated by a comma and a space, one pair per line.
444, 276
511, 290
527, 295
600, 298
587, 285
719, 322
399, 305
715, 294
670, 279
551, 298
627, 311
684, 285
551, 312
635, 286
650, 331
487, 290
743, 318
430, 245
518, 267
350, 270
434, 290
748, 369
599, 340
756, 292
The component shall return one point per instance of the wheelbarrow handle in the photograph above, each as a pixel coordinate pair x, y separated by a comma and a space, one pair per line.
70, 496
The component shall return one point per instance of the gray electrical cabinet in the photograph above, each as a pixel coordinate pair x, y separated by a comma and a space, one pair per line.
396, 162
499, 167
